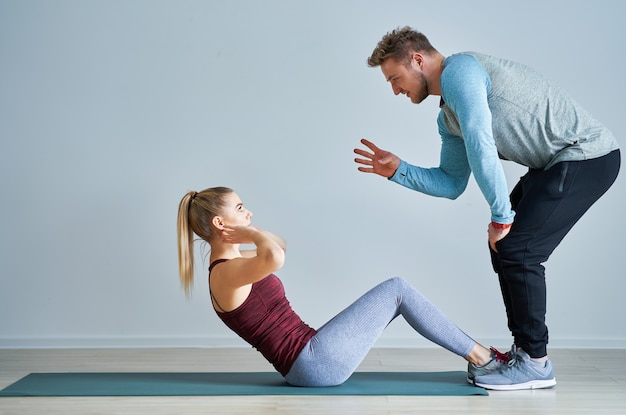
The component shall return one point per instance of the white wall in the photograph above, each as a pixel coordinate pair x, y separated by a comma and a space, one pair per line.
111, 110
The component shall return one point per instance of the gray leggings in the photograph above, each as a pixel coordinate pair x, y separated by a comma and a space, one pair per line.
334, 353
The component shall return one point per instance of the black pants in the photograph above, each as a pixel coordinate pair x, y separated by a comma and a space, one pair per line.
547, 204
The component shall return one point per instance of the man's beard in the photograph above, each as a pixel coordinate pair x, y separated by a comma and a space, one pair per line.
423, 93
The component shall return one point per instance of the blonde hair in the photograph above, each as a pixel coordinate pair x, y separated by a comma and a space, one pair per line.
195, 214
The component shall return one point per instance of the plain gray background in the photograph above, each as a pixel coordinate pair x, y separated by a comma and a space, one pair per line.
110, 111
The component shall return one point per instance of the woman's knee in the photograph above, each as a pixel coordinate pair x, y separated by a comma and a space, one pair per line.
397, 281
396, 284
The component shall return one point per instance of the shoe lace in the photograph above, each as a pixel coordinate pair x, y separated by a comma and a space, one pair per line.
500, 357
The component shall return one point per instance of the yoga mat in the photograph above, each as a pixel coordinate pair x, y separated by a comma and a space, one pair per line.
235, 383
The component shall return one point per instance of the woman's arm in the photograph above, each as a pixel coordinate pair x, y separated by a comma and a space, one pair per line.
249, 253
280, 241
255, 265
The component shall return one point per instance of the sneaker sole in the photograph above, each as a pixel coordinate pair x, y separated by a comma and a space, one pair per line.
533, 384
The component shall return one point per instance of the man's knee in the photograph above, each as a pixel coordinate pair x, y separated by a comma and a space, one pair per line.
518, 259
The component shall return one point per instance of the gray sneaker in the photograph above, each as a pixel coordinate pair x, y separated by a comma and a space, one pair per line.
519, 373
497, 361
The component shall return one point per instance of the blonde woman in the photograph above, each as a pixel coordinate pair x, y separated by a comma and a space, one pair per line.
250, 300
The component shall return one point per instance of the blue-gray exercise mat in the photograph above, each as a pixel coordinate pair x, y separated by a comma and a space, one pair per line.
235, 383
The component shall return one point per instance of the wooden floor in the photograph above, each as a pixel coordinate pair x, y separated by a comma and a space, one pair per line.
589, 382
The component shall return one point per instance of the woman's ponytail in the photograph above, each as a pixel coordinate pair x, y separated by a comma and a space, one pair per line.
185, 243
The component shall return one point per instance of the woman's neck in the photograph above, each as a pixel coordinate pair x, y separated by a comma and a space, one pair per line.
224, 251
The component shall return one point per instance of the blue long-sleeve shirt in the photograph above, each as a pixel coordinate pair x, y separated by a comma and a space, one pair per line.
495, 109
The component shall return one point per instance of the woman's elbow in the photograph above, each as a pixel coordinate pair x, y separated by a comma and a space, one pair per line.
276, 257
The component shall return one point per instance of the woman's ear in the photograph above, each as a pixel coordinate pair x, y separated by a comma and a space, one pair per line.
218, 223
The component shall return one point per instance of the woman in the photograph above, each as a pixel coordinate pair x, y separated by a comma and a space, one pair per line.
251, 301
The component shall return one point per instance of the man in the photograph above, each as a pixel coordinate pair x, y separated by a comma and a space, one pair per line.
492, 109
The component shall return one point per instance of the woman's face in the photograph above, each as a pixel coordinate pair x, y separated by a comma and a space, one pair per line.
234, 213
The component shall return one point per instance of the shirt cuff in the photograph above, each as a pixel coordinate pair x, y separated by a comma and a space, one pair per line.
400, 175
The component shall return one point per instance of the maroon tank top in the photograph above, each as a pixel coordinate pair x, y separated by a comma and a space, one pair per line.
267, 322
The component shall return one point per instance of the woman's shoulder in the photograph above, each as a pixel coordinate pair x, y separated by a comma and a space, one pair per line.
215, 262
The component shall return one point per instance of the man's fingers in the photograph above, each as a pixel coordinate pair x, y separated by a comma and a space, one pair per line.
369, 145
366, 162
363, 153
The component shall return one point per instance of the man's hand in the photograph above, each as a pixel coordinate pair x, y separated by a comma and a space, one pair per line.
495, 235
379, 161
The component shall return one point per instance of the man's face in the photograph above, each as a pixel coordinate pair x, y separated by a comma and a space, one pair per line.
406, 79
